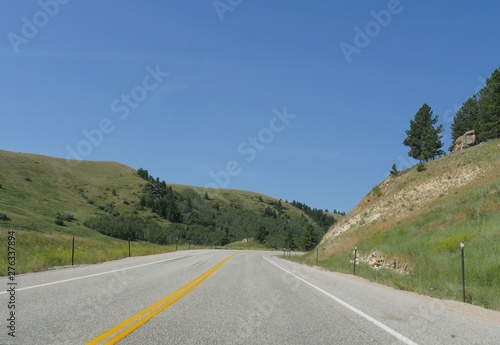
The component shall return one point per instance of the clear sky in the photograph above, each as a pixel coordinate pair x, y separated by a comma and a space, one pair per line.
299, 100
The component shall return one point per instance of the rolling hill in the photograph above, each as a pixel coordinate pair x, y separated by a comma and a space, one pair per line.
47, 201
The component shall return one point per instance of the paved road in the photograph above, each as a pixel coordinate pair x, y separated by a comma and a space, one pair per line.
194, 297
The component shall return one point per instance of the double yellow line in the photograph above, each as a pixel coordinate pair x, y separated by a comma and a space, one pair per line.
126, 327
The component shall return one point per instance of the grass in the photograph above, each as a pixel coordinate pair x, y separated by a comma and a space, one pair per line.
39, 251
427, 241
36, 189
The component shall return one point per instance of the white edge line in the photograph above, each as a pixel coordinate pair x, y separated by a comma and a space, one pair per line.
350, 307
99, 274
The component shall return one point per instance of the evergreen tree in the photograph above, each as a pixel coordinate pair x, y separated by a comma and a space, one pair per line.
466, 119
279, 207
289, 241
423, 137
489, 108
261, 234
394, 170
308, 238
432, 142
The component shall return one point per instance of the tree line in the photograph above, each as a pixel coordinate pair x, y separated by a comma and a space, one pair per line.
199, 219
481, 113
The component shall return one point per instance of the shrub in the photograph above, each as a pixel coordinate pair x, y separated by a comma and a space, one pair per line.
421, 167
376, 191
68, 217
3, 216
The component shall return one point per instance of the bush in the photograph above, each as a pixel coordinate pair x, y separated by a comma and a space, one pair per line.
376, 191
3, 216
421, 167
68, 217
59, 221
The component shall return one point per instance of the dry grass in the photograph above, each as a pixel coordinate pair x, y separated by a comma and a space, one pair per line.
418, 219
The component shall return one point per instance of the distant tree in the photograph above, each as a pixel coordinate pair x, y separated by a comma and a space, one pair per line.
279, 207
261, 234
394, 170
225, 239
466, 119
289, 241
189, 205
423, 137
206, 196
269, 212
144, 174
489, 108
308, 238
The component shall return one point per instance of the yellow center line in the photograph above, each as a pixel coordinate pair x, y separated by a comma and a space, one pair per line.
126, 327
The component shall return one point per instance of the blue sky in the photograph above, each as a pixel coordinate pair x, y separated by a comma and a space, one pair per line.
297, 100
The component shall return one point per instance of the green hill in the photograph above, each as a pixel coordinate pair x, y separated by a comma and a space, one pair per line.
408, 229
47, 201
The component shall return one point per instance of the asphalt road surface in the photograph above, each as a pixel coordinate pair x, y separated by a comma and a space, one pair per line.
228, 297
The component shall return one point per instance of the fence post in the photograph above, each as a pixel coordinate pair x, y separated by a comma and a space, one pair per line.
129, 247
73, 251
317, 250
462, 245
355, 256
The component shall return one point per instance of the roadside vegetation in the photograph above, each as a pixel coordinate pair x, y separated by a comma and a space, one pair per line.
47, 201
426, 249
409, 228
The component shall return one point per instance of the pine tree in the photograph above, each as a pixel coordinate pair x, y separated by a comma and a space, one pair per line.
423, 137
308, 238
466, 119
289, 241
394, 170
489, 108
432, 142
261, 234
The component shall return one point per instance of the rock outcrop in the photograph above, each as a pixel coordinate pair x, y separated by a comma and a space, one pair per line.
465, 141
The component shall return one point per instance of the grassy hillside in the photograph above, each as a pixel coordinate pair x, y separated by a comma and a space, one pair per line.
409, 228
36, 191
